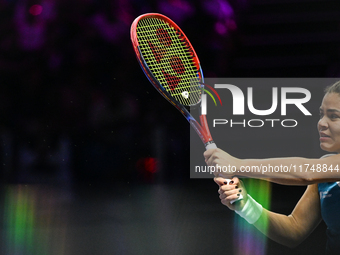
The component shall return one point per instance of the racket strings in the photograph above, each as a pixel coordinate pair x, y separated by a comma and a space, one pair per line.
170, 59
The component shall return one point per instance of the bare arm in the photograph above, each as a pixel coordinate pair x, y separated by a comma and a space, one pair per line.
291, 230
288, 171
288, 230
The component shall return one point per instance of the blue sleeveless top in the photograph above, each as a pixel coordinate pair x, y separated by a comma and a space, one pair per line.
330, 210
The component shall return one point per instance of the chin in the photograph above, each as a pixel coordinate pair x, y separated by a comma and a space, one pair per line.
330, 150
325, 148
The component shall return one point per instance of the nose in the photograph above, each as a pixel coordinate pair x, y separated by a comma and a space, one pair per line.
322, 124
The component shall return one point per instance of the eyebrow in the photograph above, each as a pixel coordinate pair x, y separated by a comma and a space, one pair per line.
329, 110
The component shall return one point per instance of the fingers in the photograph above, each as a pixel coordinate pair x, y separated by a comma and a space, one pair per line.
228, 200
235, 180
228, 190
210, 155
229, 193
221, 161
221, 181
207, 154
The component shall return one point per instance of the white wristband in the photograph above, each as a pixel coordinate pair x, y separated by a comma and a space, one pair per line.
251, 211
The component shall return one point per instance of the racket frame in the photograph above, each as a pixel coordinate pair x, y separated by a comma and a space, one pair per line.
201, 128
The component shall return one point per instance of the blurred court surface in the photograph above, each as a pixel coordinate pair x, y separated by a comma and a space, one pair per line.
131, 218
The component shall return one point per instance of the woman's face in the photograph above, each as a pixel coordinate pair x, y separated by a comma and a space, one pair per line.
329, 123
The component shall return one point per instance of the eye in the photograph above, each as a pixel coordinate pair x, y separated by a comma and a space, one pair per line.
321, 115
334, 116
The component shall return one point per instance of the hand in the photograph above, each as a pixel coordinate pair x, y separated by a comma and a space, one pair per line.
229, 192
220, 158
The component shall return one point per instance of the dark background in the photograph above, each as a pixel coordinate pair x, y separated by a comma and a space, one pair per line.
98, 158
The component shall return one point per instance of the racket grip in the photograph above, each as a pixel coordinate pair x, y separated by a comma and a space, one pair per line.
213, 146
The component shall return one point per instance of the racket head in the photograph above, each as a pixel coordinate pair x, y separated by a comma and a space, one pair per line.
167, 59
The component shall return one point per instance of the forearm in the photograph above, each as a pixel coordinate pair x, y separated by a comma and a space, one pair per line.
280, 228
287, 230
292, 171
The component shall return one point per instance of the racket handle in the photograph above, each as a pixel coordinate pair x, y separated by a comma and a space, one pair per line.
212, 145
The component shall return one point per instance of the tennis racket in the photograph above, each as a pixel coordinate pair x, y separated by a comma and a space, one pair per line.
171, 64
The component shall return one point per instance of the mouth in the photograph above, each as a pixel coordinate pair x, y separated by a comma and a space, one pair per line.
323, 135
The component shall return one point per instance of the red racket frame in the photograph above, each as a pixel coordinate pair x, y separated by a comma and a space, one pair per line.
202, 129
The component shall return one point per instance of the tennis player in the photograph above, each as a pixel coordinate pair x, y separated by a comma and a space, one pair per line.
320, 201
